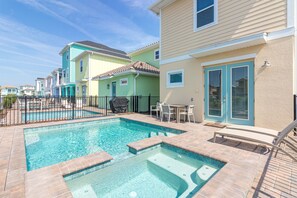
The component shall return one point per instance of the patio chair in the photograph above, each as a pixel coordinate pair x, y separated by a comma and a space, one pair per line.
259, 135
189, 112
65, 104
79, 103
166, 110
155, 108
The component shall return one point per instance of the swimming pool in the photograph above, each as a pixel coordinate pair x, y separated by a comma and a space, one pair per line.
57, 115
54, 144
165, 171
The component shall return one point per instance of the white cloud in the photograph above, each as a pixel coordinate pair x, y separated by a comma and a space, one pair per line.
44, 7
142, 4
21, 40
107, 25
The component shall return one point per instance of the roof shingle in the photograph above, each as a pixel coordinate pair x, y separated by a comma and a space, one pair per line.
136, 66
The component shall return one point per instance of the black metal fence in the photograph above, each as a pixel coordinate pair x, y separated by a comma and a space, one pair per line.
25, 110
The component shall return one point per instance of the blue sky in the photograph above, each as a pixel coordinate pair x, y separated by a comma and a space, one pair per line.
32, 32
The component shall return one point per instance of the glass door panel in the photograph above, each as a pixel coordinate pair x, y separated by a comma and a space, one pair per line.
240, 95
215, 89
214, 93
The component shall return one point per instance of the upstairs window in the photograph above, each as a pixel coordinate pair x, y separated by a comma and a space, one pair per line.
157, 54
81, 64
205, 13
175, 78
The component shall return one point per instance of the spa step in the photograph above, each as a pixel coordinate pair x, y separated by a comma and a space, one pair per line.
172, 165
181, 169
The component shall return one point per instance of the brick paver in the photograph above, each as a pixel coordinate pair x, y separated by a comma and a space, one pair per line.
250, 170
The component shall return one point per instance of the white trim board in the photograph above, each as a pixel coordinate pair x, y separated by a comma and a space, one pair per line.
231, 59
258, 38
291, 13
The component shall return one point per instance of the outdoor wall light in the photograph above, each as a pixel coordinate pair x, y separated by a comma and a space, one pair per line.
108, 86
266, 64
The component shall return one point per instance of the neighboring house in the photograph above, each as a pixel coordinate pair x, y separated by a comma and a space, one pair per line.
48, 89
134, 79
140, 78
39, 87
27, 90
68, 53
234, 60
149, 54
95, 62
57, 81
6, 90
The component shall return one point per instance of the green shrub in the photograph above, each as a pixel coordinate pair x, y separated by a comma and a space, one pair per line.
9, 100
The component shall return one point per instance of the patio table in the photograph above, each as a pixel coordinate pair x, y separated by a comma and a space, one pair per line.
177, 108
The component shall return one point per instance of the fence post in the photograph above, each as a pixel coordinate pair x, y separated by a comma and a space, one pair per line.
133, 104
106, 105
25, 109
137, 110
72, 100
149, 103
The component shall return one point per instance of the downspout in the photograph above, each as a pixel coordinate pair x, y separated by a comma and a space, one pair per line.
135, 89
89, 67
135, 83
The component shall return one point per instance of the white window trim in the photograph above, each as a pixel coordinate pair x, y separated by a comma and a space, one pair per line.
155, 54
81, 65
174, 85
208, 25
121, 84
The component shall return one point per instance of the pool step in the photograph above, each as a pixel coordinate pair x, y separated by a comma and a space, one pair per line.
152, 134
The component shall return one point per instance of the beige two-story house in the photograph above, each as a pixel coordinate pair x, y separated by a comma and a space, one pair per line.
234, 60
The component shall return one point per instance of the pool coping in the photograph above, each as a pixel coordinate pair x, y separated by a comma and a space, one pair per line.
233, 180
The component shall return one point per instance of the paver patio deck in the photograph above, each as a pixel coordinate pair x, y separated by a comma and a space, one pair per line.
256, 174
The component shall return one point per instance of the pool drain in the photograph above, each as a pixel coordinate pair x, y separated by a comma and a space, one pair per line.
132, 194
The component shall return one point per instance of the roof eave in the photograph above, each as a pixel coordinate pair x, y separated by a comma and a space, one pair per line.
102, 54
144, 49
160, 4
65, 48
132, 71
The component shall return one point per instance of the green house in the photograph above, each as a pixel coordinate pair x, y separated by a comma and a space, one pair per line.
135, 79
139, 78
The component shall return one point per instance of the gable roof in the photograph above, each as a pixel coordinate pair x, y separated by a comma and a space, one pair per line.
100, 46
145, 48
135, 67
104, 53
93, 45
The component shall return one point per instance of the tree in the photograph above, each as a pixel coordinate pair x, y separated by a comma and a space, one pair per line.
9, 100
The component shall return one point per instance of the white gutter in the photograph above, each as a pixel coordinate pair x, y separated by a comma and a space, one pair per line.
135, 83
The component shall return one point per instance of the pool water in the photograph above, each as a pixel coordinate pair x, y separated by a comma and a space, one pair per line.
162, 172
56, 115
54, 144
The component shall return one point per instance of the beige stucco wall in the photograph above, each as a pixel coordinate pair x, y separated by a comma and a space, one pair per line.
236, 19
273, 86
